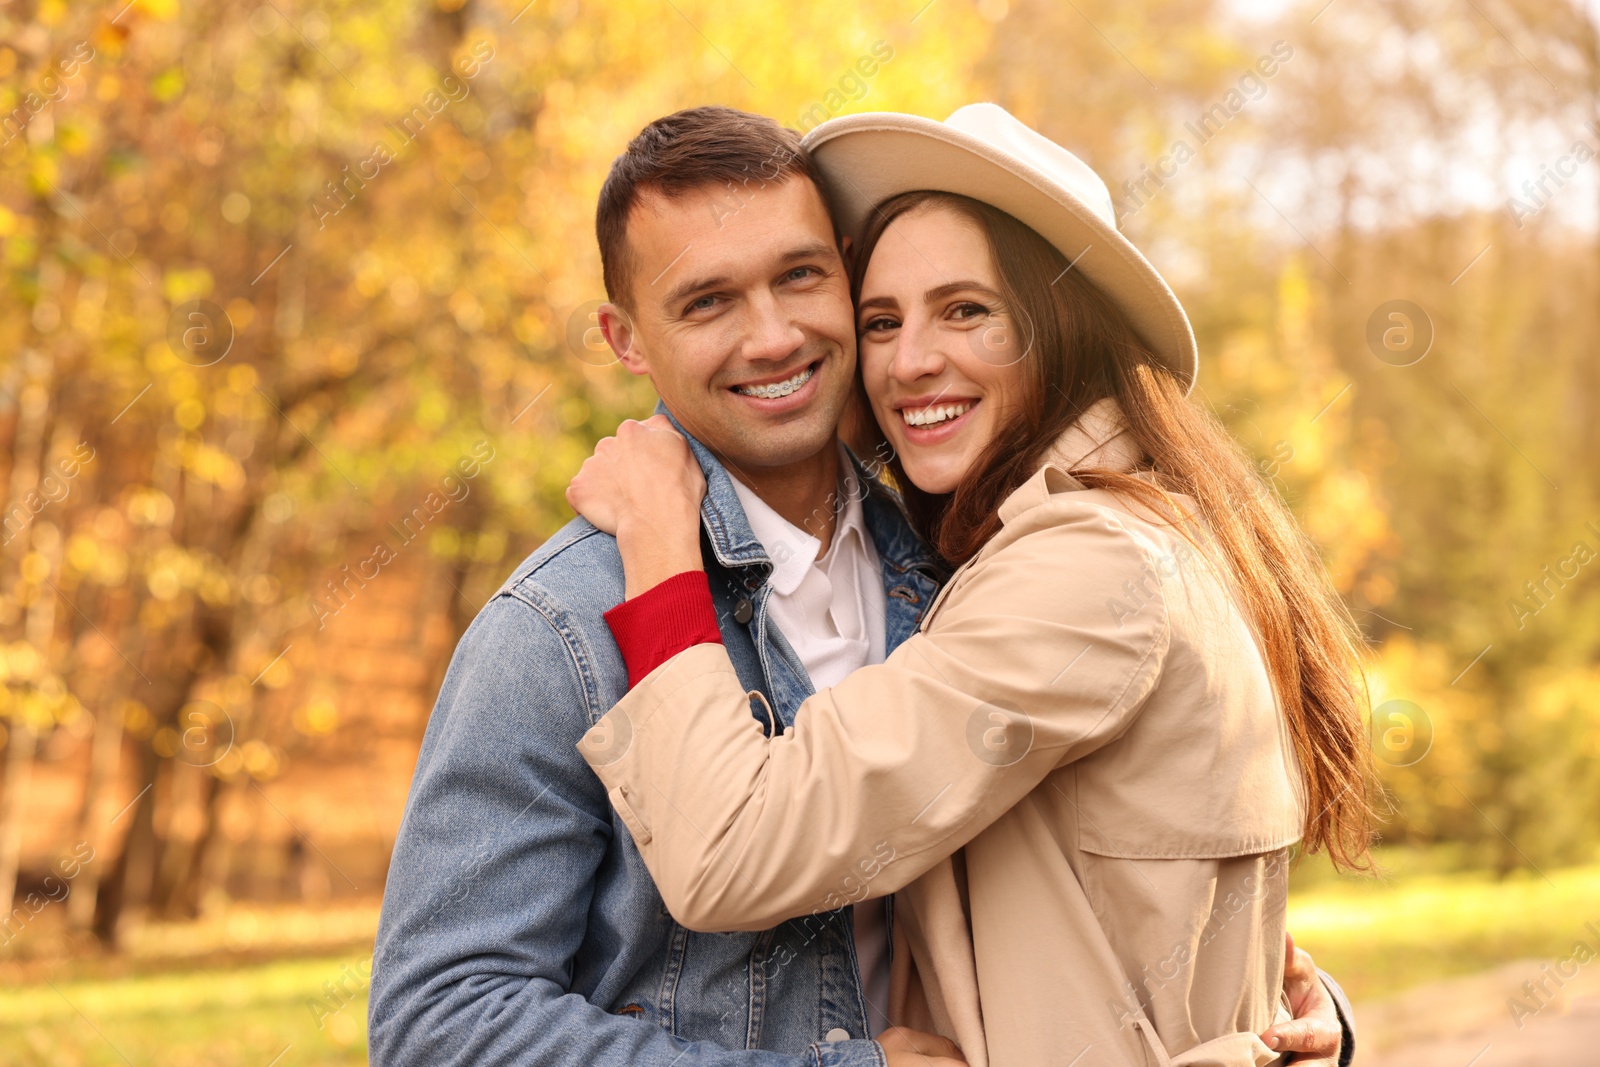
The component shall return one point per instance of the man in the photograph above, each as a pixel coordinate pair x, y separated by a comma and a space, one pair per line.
520, 925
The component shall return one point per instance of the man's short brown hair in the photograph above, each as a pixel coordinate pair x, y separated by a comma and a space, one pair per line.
688, 150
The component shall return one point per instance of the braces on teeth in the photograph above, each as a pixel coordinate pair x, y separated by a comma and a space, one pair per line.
777, 389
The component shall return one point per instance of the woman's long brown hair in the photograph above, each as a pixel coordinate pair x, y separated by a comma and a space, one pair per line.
1081, 350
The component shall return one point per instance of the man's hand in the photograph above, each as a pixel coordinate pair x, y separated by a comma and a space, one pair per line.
913, 1048
1315, 1034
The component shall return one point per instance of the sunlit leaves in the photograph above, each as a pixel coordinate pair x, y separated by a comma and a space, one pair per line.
168, 85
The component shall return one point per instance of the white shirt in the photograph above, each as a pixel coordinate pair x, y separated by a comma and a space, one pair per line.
831, 610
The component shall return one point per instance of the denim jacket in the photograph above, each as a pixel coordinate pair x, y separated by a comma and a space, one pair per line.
519, 923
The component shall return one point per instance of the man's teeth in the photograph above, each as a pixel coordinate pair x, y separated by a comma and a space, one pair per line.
776, 389
934, 414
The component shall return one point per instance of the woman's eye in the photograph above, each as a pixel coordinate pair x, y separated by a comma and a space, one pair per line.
880, 323
969, 311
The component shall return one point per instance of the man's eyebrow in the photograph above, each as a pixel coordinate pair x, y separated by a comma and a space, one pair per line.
693, 285
811, 251
696, 285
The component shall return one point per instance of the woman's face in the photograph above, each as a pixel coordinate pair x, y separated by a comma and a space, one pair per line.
941, 355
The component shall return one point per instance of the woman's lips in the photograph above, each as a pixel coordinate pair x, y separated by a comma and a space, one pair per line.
952, 416
931, 415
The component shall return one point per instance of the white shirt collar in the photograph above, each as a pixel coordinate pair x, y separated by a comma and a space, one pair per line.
793, 550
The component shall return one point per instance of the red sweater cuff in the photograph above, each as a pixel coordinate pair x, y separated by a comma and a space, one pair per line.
663, 621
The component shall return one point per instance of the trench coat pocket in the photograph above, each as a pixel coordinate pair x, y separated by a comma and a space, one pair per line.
630, 818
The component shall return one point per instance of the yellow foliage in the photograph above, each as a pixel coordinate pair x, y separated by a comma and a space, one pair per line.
35, 567
317, 718
260, 760
179, 284
163, 10
189, 413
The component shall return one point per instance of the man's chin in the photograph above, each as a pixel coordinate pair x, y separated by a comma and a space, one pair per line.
769, 443
777, 451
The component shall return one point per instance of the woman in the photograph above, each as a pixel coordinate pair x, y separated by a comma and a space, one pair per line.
1136, 692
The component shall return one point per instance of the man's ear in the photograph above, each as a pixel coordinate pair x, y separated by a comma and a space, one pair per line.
617, 328
847, 252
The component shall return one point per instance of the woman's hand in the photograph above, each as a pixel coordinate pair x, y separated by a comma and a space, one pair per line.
903, 1047
1315, 1034
644, 486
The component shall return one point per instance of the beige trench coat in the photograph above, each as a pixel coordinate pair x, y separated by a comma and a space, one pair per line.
1076, 777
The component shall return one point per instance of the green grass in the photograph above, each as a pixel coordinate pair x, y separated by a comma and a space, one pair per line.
1418, 925
240, 1016
1422, 922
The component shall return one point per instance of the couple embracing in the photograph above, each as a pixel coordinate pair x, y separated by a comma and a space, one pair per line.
991, 749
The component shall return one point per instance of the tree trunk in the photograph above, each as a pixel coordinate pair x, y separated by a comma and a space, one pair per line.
127, 884
178, 896
32, 425
104, 759
19, 773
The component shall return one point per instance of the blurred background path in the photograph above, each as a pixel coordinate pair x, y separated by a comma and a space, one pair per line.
1468, 1022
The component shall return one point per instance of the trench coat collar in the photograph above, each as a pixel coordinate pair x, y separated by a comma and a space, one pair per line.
1099, 438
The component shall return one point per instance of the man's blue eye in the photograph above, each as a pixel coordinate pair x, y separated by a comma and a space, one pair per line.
703, 303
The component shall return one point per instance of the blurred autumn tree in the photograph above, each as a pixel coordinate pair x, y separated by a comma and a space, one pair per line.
1385, 159
278, 273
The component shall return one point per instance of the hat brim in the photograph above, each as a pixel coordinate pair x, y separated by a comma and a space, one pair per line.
866, 159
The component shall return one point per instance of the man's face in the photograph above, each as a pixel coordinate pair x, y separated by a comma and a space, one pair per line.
742, 318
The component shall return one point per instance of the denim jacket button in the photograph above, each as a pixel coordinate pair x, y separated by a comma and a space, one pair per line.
742, 612
838, 1033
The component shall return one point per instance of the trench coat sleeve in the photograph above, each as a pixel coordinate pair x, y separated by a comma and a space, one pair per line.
1347, 1018
1041, 653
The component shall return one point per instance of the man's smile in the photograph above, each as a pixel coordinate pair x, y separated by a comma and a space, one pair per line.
772, 390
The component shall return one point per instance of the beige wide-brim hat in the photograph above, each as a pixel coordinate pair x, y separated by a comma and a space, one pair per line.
983, 152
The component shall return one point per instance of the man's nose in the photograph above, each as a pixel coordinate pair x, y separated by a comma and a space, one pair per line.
773, 333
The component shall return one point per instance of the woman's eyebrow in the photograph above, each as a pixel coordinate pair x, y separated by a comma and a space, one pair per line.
937, 293
877, 302
951, 288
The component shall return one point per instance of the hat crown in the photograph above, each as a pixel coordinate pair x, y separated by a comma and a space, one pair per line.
997, 127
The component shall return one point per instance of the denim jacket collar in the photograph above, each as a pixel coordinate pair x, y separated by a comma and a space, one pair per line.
898, 544
732, 541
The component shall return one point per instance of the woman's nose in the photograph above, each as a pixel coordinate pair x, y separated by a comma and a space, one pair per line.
916, 354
